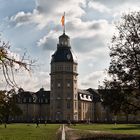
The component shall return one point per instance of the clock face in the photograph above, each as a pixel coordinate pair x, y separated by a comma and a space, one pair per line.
68, 56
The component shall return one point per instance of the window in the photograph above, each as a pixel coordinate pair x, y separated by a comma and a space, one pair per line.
30, 100
75, 117
41, 100
18, 100
79, 106
75, 104
75, 68
68, 94
68, 84
58, 85
66, 43
24, 100
68, 117
68, 104
58, 115
46, 100
62, 42
58, 105
75, 96
58, 95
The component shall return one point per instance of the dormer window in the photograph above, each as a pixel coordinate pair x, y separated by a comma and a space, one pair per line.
30, 100
58, 85
24, 100
68, 84
18, 100
41, 100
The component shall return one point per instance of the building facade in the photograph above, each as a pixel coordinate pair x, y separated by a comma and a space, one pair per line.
85, 106
64, 95
34, 106
64, 101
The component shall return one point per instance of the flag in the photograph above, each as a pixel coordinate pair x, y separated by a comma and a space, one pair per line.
63, 20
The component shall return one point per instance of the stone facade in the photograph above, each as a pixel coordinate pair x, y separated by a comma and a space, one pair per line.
33, 105
64, 95
85, 106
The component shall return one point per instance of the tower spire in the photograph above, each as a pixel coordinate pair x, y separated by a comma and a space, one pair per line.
63, 22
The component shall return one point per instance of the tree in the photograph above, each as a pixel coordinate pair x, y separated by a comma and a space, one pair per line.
8, 106
10, 64
124, 68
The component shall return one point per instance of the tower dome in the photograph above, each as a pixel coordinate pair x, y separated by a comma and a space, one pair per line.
64, 40
63, 52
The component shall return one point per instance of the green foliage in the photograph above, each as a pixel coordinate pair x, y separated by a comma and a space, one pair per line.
125, 52
8, 105
124, 68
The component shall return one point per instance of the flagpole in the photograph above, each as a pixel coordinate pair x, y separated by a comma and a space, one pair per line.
64, 24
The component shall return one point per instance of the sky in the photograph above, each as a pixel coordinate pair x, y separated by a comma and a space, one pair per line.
33, 26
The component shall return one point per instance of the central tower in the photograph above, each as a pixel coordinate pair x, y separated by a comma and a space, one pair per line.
64, 95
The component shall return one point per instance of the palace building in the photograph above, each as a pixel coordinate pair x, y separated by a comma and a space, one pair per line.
64, 101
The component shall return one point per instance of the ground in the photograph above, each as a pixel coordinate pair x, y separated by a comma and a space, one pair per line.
109, 131
73, 132
29, 132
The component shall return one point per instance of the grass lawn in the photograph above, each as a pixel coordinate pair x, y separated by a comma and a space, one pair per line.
117, 129
29, 132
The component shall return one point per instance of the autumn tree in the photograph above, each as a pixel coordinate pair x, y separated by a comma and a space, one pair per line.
124, 68
9, 65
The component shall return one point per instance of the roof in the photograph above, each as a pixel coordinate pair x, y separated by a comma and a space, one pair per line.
25, 94
64, 36
84, 95
95, 93
63, 54
40, 96
42, 93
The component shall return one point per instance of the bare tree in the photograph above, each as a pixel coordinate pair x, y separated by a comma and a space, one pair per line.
10, 64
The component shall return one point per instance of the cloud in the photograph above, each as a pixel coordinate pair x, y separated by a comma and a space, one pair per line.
9, 8
21, 18
72, 7
86, 29
48, 42
93, 79
31, 82
111, 3
47, 11
85, 36
98, 6
88, 23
